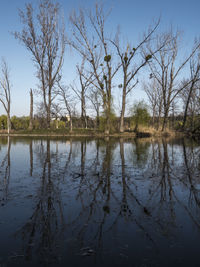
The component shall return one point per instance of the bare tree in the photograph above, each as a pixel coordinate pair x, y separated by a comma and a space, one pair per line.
90, 40
31, 111
95, 99
85, 81
66, 98
5, 91
44, 36
190, 97
155, 98
131, 61
191, 86
166, 69
56, 113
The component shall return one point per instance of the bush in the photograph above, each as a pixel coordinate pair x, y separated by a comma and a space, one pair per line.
3, 122
20, 123
139, 114
56, 124
113, 122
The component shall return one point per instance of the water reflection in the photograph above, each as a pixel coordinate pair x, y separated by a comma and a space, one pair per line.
5, 172
112, 202
42, 233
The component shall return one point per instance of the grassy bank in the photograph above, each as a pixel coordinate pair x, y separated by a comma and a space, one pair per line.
143, 132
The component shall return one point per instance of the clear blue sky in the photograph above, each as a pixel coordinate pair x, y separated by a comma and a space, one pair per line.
133, 16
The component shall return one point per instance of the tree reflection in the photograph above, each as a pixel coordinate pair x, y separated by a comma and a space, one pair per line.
130, 201
94, 195
42, 234
5, 174
91, 190
191, 161
171, 174
104, 199
161, 200
139, 152
31, 156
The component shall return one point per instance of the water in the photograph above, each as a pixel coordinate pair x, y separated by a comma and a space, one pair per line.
104, 202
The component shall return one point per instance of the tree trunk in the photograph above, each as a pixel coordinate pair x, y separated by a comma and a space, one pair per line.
186, 106
108, 120
71, 126
83, 111
31, 111
108, 105
166, 111
121, 128
136, 128
98, 120
158, 122
8, 123
164, 125
48, 117
159, 115
153, 117
49, 105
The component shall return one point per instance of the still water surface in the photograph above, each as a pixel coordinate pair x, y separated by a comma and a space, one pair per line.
104, 202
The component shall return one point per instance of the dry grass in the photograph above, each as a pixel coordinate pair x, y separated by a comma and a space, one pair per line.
142, 132
159, 133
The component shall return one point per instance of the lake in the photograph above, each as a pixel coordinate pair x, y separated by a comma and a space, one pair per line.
99, 202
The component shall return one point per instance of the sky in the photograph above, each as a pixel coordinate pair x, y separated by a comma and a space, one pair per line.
133, 16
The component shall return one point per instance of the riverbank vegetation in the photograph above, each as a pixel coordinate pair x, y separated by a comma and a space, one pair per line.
109, 69
136, 125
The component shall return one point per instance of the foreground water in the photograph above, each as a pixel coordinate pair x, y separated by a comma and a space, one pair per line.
112, 202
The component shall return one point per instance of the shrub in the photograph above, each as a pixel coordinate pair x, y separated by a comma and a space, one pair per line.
20, 123
113, 122
3, 122
140, 114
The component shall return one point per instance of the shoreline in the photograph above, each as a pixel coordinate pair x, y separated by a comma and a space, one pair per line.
97, 135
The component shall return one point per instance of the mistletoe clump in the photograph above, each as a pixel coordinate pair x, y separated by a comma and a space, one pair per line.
148, 57
107, 58
101, 85
125, 59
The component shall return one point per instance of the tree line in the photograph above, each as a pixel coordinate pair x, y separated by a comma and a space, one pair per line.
107, 64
